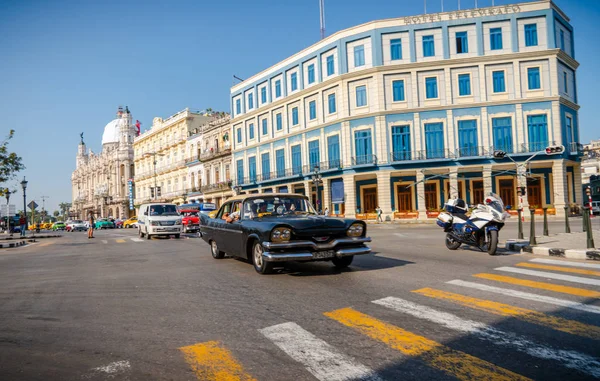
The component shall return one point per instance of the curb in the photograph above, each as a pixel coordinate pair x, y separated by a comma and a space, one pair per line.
31, 237
589, 254
11, 244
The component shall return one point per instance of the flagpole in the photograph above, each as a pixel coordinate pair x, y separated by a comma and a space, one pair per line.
442, 5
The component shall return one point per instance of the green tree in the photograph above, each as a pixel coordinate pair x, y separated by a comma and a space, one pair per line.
10, 162
64, 208
56, 213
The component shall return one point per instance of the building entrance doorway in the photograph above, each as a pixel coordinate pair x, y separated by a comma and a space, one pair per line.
369, 200
534, 193
404, 198
507, 192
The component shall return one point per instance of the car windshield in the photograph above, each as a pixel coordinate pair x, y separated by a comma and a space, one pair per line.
163, 210
277, 206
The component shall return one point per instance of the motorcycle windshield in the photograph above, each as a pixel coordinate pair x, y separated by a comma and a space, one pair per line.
496, 203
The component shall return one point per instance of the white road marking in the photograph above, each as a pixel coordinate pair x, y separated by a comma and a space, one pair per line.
114, 367
104, 241
565, 263
136, 239
401, 235
528, 296
545, 274
321, 359
570, 359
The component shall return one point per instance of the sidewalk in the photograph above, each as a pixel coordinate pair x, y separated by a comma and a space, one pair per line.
565, 245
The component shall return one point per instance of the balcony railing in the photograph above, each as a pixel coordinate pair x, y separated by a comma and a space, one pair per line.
401, 156
364, 160
191, 159
508, 148
216, 187
214, 153
575, 148
471, 151
535, 146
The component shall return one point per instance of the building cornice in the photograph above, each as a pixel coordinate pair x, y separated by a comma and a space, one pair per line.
570, 104
421, 66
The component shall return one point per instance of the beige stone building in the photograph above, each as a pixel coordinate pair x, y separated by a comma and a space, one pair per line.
100, 181
209, 162
159, 157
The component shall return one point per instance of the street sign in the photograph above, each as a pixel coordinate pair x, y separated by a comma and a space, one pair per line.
3, 210
7, 210
32, 205
12, 210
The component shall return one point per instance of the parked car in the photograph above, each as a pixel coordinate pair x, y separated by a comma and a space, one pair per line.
76, 225
130, 223
118, 223
104, 223
270, 229
190, 220
58, 226
159, 219
46, 226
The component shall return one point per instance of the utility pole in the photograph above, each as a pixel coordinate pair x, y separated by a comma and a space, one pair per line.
43, 205
322, 14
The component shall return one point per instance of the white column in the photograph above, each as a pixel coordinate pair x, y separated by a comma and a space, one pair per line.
326, 202
380, 138
578, 189
487, 179
349, 196
520, 127
453, 183
451, 143
559, 180
384, 198
422, 208
485, 139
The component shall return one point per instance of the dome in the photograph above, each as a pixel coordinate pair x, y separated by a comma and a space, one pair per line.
111, 131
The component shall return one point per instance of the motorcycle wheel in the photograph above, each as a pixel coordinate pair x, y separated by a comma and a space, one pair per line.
492, 242
451, 243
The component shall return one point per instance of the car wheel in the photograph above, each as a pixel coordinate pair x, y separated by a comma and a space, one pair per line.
214, 250
177, 235
343, 262
260, 265
147, 234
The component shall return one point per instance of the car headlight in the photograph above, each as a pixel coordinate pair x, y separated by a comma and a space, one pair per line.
178, 222
355, 230
155, 223
281, 235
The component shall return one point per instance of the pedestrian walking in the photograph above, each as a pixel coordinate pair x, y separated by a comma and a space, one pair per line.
326, 212
379, 211
22, 222
91, 227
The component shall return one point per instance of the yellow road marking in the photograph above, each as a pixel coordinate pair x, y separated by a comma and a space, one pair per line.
120, 241
458, 364
541, 285
558, 268
554, 322
211, 362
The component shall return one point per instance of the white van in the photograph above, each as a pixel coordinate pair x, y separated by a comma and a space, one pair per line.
159, 219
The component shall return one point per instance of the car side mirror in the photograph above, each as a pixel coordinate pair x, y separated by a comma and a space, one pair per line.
145, 213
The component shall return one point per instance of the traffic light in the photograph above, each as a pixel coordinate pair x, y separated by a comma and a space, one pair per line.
555, 150
498, 154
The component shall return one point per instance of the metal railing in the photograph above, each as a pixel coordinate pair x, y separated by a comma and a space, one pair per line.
214, 153
471, 151
575, 148
401, 156
364, 160
216, 187
535, 146
508, 148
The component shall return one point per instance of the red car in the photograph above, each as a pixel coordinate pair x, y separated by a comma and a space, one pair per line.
190, 220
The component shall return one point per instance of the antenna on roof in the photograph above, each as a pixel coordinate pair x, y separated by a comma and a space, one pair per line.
459, 5
322, 14
442, 5
238, 78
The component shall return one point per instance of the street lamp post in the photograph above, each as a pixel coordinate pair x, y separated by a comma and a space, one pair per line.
7, 193
317, 179
24, 186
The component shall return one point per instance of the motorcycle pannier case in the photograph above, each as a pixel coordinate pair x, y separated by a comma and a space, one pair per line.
444, 220
456, 205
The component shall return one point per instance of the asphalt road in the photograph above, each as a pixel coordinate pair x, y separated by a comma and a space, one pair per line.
121, 308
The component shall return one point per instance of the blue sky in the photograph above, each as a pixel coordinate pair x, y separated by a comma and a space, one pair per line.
66, 65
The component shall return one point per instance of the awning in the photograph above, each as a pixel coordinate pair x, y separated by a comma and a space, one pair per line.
337, 191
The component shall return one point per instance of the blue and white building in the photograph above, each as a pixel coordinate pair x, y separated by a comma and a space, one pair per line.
404, 113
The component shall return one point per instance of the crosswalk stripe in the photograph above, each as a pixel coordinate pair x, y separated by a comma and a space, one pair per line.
136, 239
104, 241
558, 268
527, 296
570, 359
566, 263
544, 274
458, 364
120, 241
541, 285
211, 362
321, 359
560, 324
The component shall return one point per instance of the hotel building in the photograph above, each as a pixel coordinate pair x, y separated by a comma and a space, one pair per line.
404, 113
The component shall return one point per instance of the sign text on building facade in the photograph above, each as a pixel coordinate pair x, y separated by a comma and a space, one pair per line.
456, 15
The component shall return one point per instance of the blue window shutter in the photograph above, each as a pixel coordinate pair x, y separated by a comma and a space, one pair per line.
467, 138
239, 135
296, 160
434, 140
359, 55
295, 116
312, 110
278, 123
280, 162
252, 168
238, 106
240, 171
431, 90
502, 130
264, 127
428, 46
498, 81
462, 44
464, 84
569, 132
566, 82
562, 39
263, 95
277, 88
333, 151
311, 73
313, 153
396, 49
496, 38
537, 127
330, 65
361, 96
251, 130
398, 90
363, 147
250, 101
533, 78
401, 143
531, 38
294, 81
331, 103
266, 166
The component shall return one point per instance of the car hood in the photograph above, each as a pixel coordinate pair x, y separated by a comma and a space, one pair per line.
301, 223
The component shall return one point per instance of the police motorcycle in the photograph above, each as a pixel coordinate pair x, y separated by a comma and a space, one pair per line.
480, 229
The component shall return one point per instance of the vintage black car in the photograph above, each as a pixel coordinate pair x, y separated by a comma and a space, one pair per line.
271, 228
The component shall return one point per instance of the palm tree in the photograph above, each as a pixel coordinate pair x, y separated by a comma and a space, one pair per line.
64, 207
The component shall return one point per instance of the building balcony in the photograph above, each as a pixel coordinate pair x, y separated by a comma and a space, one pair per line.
214, 153
218, 187
364, 160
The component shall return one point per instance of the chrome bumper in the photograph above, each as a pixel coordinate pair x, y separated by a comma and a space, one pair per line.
310, 256
269, 246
